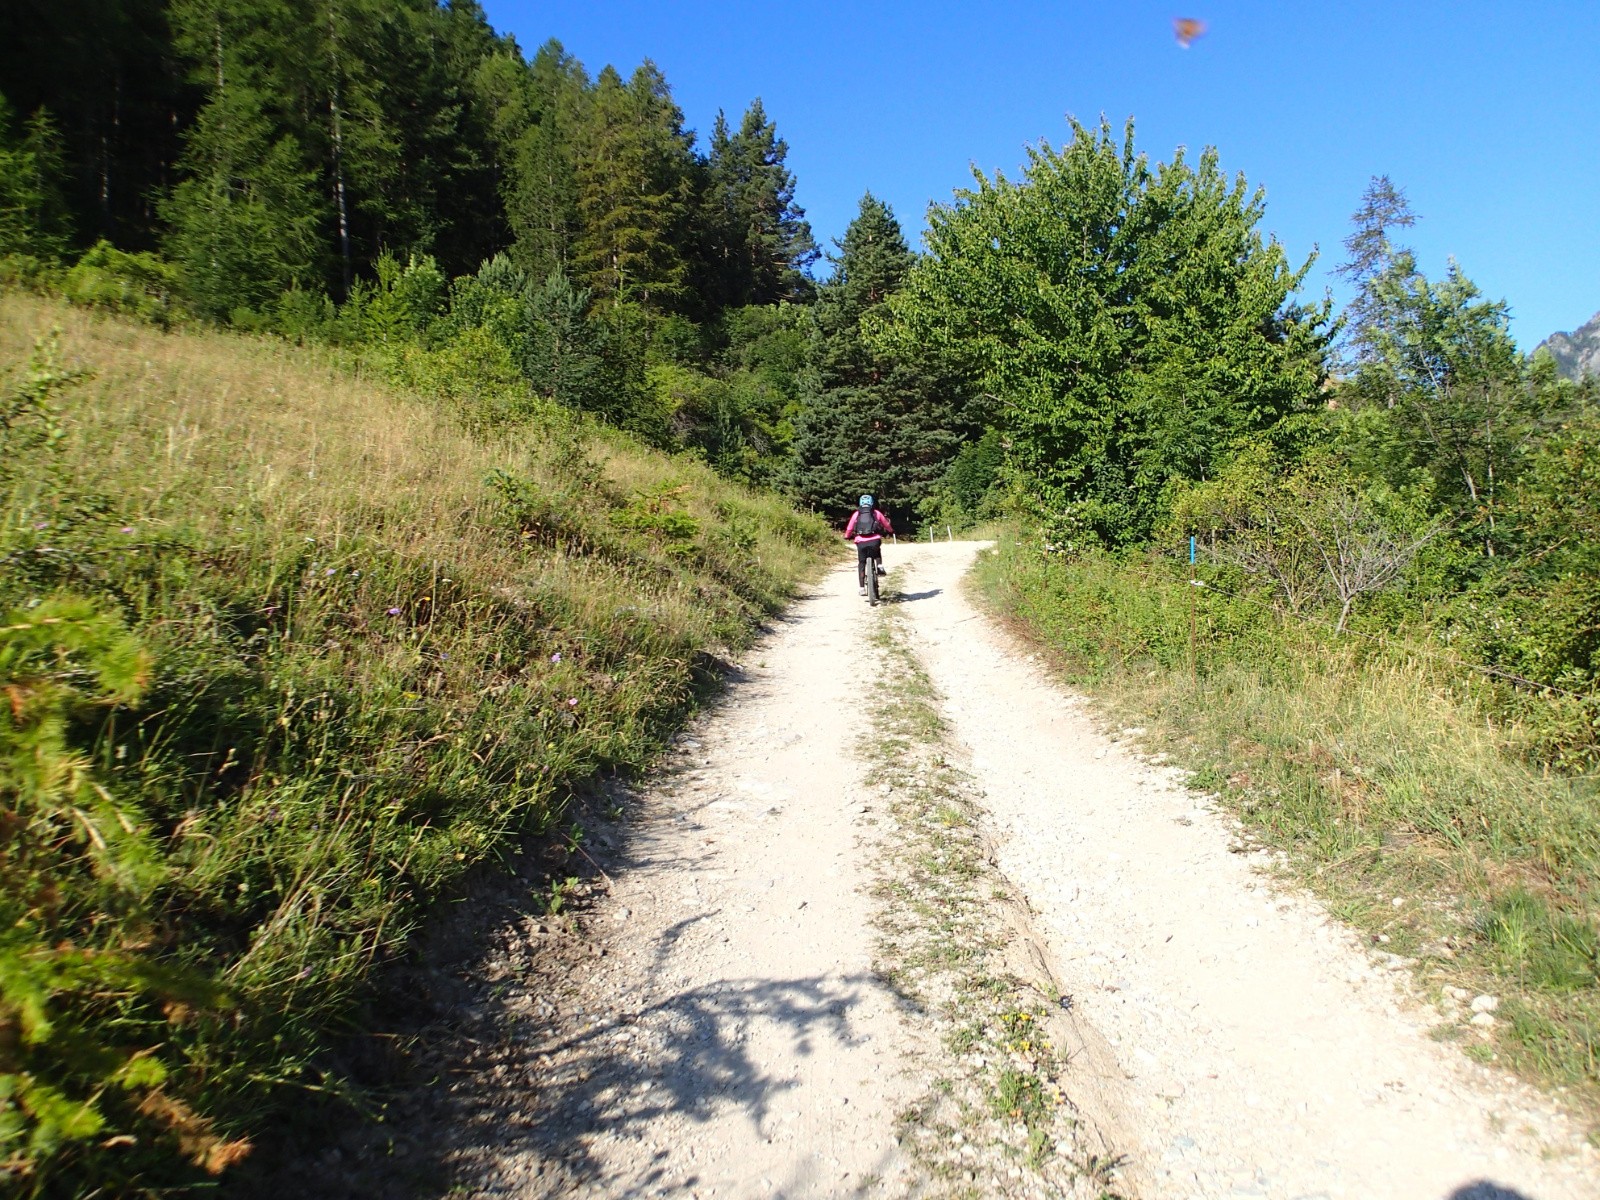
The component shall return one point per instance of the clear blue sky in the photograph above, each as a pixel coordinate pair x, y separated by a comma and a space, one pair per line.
1488, 114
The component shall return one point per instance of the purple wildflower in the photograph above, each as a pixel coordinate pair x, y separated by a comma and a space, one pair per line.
572, 702
394, 612
556, 657
127, 529
330, 571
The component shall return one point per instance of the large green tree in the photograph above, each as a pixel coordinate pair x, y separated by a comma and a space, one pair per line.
1130, 322
874, 419
757, 243
538, 110
635, 180
245, 222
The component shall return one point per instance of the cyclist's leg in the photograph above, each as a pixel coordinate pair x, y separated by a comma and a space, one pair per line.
863, 554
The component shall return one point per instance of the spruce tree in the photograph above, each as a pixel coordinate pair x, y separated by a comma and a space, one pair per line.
537, 111
1373, 256
887, 423
33, 211
758, 243
372, 98
245, 223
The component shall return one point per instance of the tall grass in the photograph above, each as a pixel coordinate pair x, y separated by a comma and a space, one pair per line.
381, 647
1385, 772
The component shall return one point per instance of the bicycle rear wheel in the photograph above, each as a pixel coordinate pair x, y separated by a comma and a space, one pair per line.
872, 581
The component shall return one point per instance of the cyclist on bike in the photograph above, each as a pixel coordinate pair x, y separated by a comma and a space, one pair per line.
866, 528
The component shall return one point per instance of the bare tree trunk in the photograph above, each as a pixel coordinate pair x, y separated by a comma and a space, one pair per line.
336, 120
216, 33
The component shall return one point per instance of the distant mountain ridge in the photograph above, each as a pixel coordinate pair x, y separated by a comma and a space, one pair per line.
1577, 353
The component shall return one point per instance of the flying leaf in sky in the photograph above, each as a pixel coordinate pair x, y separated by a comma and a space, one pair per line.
1187, 29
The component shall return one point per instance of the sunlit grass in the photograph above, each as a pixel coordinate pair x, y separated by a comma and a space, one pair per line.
374, 667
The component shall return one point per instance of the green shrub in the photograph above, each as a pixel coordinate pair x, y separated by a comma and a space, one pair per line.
139, 285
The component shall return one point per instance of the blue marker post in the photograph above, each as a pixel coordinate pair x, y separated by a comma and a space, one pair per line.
1194, 660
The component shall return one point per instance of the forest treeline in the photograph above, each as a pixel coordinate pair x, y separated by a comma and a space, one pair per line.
1090, 342
372, 173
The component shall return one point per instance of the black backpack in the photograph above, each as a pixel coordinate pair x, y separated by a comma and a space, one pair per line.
866, 522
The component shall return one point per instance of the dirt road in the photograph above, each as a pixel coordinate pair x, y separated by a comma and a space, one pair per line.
735, 1035
1267, 1053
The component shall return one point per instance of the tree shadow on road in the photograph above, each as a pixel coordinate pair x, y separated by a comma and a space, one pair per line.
1484, 1189
539, 1104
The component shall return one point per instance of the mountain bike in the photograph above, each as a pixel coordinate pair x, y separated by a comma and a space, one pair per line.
872, 580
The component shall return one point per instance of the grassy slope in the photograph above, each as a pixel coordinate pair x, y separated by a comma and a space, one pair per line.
1375, 769
372, 668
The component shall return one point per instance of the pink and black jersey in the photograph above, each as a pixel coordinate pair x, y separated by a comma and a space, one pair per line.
880, 526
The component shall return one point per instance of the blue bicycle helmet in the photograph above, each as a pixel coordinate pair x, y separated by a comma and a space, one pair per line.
866, 501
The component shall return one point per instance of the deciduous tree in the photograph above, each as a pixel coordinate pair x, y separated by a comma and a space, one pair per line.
1131, 322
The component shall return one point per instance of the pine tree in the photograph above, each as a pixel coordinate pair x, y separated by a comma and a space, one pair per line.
372, 97
884, 423
464, 218
634, 176
564, 355
245, 223
105, 72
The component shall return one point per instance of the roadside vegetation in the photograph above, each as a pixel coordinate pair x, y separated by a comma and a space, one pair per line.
1402, 786
287, 651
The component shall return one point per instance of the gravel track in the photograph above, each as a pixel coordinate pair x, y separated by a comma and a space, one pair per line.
735, 1039
721, 1024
